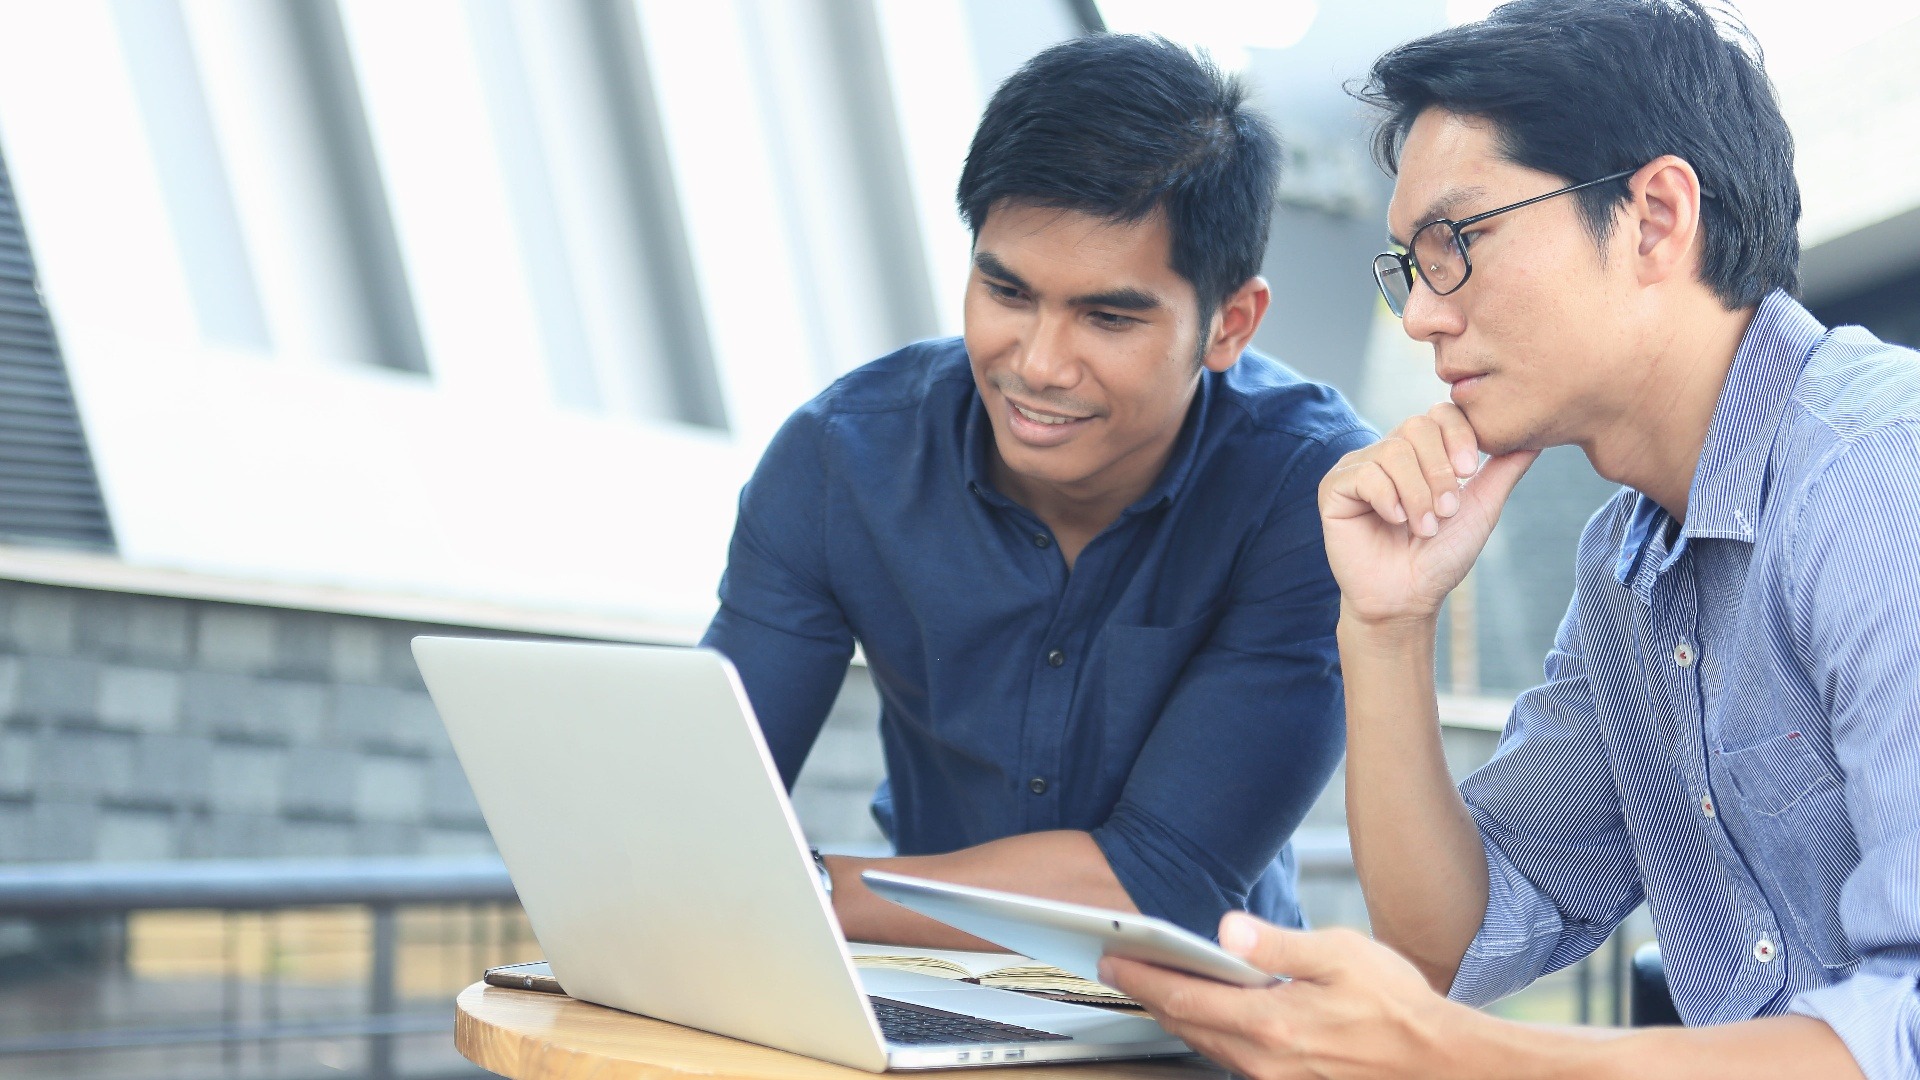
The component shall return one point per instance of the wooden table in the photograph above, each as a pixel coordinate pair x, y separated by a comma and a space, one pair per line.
528, 1035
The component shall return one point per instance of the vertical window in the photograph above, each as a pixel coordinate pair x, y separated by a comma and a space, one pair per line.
584, 159
193, 179
823, 84
274, 110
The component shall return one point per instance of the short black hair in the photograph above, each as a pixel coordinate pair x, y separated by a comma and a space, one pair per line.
1583, 88
1118, 126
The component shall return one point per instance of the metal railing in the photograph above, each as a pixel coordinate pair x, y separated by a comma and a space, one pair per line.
380, 885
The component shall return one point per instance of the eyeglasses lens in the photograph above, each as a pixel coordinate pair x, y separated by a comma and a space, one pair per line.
1396, 282
1436, 253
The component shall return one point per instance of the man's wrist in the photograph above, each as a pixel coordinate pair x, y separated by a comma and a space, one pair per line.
1389, 638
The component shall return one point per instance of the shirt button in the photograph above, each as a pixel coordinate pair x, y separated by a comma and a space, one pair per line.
1042, 540
1706, 805
1037, 785
1683, 654
1763, 951
1056, 658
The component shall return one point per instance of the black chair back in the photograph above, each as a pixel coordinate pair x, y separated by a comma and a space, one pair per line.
1649, 1002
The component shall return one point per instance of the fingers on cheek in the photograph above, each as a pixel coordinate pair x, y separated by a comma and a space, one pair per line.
1462, 448
1401, 463
1384, 496
1466, 459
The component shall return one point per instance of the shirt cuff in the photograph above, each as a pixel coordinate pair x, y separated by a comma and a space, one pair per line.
1878, 1017
1517, 939
1162, 876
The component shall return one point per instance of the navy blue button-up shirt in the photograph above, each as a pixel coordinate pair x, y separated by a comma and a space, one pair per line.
1730, 727
1177, 694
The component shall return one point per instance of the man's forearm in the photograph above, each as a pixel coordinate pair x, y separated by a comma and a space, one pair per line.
1783, 1047
1058, 865
1415, 847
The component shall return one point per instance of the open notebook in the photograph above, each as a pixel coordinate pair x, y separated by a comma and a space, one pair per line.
1000, 970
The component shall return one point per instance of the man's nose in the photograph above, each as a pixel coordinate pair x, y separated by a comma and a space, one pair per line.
1428, 315
1047, 358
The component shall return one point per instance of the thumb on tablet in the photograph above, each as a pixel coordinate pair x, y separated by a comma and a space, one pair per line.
1297, 954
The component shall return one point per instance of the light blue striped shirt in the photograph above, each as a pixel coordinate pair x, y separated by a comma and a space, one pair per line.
1730, 726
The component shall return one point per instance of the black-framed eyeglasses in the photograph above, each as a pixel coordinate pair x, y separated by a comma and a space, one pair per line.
1439, 255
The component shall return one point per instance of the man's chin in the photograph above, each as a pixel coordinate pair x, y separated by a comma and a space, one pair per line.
1496, 435
1048, 473
1500, 447
1045, 466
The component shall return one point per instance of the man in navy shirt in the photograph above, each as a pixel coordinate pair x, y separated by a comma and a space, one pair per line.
1080, 546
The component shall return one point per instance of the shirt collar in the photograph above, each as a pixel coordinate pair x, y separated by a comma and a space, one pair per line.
977, 448
1724, 499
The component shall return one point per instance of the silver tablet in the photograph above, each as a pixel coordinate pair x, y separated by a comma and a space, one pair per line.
1072, 937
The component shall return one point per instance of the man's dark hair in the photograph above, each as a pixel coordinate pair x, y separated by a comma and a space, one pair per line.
1583, 88
1118, 126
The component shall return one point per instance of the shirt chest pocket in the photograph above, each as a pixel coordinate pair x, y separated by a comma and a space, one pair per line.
1144, 663
1802, 842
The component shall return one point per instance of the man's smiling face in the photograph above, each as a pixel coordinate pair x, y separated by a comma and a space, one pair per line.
1085, 347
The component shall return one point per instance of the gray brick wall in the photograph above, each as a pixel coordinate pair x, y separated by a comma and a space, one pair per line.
141, 727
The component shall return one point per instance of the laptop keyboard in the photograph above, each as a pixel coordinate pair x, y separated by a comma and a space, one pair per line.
919, 1025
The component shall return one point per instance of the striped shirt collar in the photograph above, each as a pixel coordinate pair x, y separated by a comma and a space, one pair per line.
1723, 502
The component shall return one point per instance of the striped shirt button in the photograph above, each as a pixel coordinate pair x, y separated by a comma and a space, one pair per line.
1763, 951
1706, 805
1683, 655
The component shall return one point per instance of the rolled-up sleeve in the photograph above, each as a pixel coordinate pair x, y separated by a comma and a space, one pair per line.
779, 622
1560, 869
1251, 730
1877, 1014
1858, 609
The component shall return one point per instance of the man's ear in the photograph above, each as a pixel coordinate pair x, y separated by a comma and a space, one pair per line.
1234, 322
1665, 213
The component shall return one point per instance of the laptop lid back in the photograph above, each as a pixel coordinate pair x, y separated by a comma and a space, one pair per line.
650, 839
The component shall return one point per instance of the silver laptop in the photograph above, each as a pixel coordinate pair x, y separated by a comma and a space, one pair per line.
650, 839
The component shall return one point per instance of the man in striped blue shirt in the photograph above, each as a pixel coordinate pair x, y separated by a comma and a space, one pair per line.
1730, 726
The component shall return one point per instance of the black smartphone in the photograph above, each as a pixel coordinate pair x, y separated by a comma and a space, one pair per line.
534, 976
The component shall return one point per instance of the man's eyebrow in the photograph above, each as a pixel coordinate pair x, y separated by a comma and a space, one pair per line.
989, 264
1126, 299
1441, 207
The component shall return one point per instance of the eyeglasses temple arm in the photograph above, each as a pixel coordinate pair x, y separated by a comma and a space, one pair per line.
1458, 225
